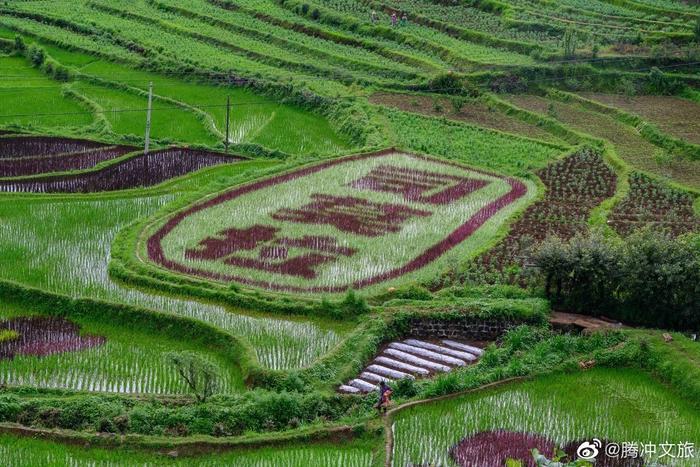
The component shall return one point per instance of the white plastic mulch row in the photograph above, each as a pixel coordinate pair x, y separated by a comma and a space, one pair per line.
410, 359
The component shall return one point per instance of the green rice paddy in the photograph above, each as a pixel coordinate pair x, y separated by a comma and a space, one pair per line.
130, 361
613, 404
63, 246
27, 452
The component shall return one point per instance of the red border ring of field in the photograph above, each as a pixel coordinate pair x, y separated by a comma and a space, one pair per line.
155, 250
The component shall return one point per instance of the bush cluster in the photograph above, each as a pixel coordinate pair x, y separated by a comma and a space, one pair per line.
255, 411
648, 279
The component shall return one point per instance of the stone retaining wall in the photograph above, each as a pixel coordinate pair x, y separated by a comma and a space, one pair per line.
463, 328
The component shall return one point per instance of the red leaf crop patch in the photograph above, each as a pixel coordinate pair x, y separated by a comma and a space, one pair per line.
346, 223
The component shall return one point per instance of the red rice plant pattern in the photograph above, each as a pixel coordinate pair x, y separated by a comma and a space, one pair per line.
43, 336
350, 214
33, 165
494, 448
275, 256
649, 203
32, 146
137, 171
416, 185
278, 244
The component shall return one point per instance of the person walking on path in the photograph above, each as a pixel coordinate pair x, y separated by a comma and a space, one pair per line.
384, 397
404, 20
373, 17
394, 19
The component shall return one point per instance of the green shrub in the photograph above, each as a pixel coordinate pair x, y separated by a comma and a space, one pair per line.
649, 279
36, 55
405, 388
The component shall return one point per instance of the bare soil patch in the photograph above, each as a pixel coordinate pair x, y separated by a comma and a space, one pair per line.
473, 112
673, 115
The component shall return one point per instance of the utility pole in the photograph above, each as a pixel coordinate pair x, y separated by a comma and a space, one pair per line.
148, 117
228, 117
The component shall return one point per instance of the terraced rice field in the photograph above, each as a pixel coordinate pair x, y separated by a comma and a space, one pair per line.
54, 352
76, 263
185, 110
287, 231
621, 406
652, 205
23, 452
134, 172
21, 83
354, 187
575, 186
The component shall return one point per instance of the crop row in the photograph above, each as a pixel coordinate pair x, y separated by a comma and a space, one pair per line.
649, 203
395, 49
465, 53
628, 143
332, 52
65, 35
138, 171
574, 186
464, 15
145, 21
17, 147
60, 163
215, 44
169, 47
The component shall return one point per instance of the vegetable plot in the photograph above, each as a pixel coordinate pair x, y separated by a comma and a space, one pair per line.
346, 223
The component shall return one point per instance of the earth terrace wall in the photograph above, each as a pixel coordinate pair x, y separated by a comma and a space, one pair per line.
198, 445
333, 36
458, 32
331, 18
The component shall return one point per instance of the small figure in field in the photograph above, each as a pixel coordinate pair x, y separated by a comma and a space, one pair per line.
404, 20
384, 397
394, 19
374, 17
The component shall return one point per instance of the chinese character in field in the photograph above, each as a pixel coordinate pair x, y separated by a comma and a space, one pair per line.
231, 241
418, 185
353, 215
259, 247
